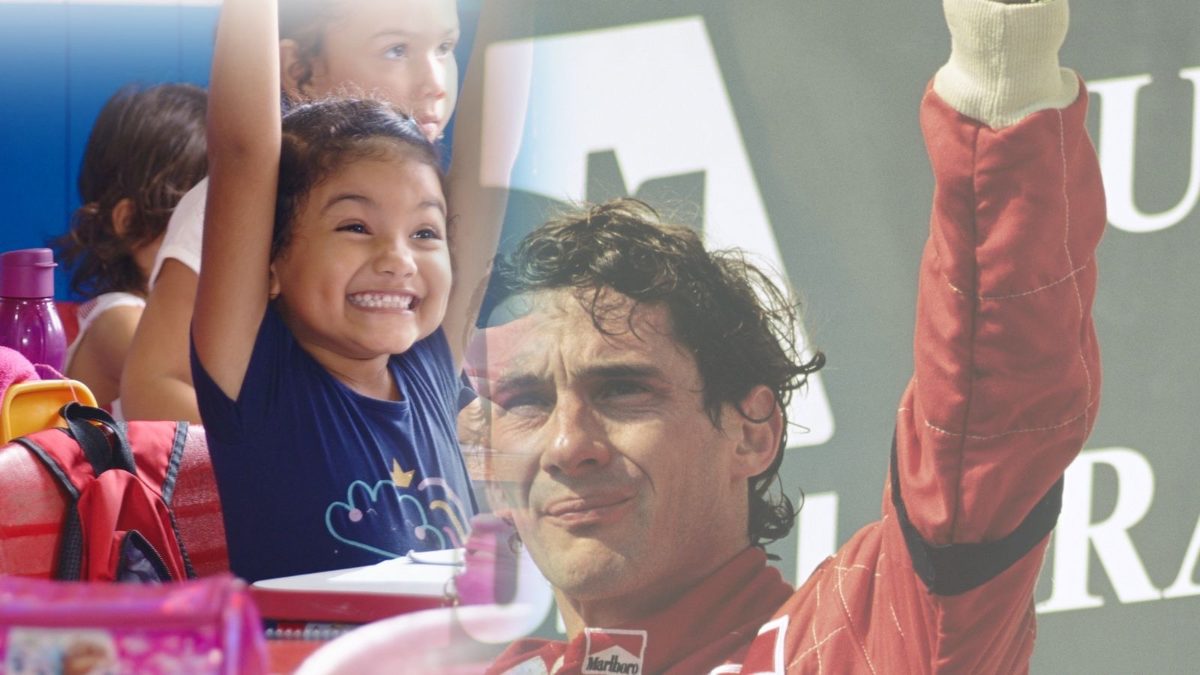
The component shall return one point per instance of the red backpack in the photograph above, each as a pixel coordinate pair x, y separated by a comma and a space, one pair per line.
119, 480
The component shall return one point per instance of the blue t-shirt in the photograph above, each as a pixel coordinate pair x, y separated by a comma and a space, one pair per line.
314, 476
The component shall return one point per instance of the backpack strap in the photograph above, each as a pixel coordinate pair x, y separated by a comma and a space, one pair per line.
55, 448
103, 450
158, 449
174, 463
44, 449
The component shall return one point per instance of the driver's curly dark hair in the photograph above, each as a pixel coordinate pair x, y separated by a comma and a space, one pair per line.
736, 321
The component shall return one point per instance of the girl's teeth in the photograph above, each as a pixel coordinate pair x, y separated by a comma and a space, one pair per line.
381, 301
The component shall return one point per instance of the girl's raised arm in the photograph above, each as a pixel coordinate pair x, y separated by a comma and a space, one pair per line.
477, 185
244, 137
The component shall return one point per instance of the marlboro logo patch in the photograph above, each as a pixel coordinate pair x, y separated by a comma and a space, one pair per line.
614, 651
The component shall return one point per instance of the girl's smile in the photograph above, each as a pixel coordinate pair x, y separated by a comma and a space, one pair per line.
383, 301
367, 271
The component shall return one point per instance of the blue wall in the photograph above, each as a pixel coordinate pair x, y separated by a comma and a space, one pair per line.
61, 63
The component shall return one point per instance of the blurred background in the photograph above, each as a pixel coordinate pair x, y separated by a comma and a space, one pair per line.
790, 128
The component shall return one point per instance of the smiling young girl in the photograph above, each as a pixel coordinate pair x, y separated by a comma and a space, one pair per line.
327, 334
398, 50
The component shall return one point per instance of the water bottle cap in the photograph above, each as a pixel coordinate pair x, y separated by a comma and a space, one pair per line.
27, 273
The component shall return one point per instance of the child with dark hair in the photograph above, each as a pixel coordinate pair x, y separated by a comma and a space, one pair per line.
145, 150
399, 50
327, 336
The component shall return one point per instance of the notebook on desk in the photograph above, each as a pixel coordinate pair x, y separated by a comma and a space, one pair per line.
361, 594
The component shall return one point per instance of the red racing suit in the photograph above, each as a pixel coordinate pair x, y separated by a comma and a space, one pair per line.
1004, 393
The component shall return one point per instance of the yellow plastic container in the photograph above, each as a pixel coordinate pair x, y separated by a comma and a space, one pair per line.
33, 406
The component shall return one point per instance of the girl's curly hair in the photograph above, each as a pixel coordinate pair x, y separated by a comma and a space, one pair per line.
147, 146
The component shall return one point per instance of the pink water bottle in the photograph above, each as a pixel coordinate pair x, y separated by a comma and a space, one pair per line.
29, 323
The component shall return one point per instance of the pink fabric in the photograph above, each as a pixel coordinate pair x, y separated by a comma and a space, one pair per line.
207, 627
14, 368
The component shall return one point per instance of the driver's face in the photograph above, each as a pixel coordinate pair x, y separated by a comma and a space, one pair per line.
619, 483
